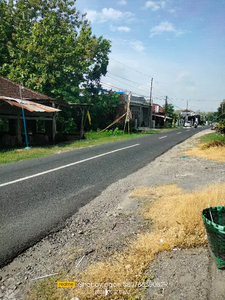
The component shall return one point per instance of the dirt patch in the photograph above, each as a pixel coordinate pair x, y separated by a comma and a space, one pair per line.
185, 274
110, 221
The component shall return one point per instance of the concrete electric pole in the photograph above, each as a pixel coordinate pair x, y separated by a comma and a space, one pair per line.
150, 106
165, 113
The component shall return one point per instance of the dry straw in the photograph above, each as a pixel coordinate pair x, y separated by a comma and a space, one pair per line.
214, 150
176, 215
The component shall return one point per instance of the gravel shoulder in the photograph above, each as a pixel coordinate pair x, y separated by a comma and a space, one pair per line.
106, 225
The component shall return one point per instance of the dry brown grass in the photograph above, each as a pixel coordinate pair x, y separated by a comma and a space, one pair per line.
214, 150
213, 144
177, 220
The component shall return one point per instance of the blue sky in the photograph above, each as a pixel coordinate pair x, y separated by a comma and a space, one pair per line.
178, 43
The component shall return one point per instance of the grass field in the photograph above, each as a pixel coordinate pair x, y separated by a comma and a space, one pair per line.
212, 137
92, 139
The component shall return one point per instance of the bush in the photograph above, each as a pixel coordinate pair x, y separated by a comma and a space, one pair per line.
116, 131
220, 127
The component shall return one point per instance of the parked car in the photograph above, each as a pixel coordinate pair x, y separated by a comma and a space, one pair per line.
213, 125
187, 124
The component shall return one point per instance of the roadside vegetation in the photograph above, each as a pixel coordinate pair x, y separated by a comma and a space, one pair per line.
92, 138
211, 146
177, 223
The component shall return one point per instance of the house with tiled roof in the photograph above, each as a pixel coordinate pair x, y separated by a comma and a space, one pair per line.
38, 109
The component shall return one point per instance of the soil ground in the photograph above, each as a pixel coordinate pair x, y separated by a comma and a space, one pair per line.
106, 225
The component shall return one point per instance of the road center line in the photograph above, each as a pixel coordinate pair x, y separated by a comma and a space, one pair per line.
67, 166
178, 132
162, 137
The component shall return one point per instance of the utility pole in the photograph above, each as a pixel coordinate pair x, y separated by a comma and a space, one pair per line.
165, 113
127, 120
24, 120
150, 105
187, 105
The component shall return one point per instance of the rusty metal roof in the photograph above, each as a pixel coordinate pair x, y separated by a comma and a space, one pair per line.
29, 105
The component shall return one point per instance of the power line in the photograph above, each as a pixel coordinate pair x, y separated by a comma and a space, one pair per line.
125, 83
119, 88
130, 67
144, 86
125, 90
140, 73
160, 84
124, 78
110, 85
203, 100
175, 104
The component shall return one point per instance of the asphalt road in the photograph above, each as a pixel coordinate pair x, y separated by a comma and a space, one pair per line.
38, 195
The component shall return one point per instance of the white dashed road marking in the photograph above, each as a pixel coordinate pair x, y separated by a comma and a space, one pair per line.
66, 166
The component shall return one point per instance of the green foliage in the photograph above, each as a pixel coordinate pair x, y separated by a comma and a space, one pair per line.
212, 137
49, 46
211, 116
169, 124
116, 131
220, 127
212, 140
93, 138
170, 111
65, 121
221, 110
68, 124
103, 111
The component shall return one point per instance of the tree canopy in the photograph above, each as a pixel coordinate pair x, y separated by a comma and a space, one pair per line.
49, 46
221, 110
170, 111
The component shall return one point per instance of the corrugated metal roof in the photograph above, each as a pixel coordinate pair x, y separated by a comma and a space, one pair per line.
29, 105
160, 116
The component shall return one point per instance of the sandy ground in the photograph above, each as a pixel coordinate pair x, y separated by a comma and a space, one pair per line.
107, 224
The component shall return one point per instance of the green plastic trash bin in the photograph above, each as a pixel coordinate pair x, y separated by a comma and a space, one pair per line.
214, 221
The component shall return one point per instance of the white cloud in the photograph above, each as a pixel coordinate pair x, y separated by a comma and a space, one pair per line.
91, 15
111, 13
120, 28
155, 5
137, 46
108, 14
122, 2
164, 27
184, 80
124, 28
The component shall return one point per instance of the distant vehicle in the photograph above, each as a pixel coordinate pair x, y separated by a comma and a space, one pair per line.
187, 124
213, 125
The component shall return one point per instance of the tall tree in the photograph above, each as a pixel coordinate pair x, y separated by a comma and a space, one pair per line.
49, 46
170, 111
103, 111
221, 109
6, 32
